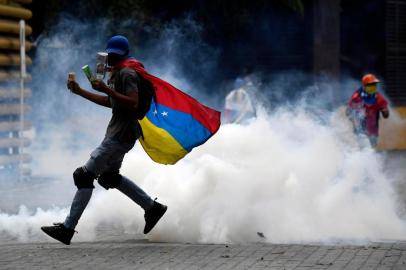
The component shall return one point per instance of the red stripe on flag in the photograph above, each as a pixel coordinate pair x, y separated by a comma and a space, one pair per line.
174, 98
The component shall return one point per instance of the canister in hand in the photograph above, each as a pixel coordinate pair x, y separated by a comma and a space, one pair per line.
101, 63
88, 72
71, 76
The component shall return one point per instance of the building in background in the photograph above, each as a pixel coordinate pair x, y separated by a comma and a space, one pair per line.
12, 140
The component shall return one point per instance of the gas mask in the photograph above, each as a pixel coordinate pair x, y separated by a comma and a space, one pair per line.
102, 69
368, 94
371, 89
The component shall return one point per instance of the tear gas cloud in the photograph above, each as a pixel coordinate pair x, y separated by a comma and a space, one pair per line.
296, 173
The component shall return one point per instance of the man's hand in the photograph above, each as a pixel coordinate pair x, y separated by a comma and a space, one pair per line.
385, 113
73, 86
99, 85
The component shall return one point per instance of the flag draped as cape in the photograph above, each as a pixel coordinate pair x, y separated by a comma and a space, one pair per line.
175, 122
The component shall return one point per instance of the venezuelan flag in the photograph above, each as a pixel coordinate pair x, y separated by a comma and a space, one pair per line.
175, 122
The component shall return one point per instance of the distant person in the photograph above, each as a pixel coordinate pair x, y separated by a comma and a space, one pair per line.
128, 97
365, 107
239, 106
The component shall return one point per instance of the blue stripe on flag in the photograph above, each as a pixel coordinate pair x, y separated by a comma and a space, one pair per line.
182, 126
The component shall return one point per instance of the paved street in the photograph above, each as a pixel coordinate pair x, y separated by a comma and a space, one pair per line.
140, 254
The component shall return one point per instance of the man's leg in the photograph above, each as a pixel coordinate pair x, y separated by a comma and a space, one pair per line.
135, 193
130, 189
373, 139
84, 182
153, 210
64, 231
111, 178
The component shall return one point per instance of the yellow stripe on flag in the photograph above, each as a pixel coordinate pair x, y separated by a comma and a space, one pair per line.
160, 146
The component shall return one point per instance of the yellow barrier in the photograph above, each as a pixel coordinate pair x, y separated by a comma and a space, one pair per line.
6, 2
15, 159
392, 131
15, 12
13, 44
14, 93
14, 126
11, 12
13, 109
13, 60
19, 1
12, 27
14, 142
13, 76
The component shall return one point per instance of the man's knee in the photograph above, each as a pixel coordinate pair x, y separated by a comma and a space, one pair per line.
110, 179
83, 178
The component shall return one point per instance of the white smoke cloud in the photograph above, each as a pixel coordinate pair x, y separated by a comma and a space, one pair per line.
285, 175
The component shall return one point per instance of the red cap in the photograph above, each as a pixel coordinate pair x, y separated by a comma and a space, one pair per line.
369, 79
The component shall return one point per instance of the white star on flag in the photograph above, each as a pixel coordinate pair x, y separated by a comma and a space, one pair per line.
155, 112
164, 114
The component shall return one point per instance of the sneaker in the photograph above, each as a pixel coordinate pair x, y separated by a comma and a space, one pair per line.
153, 215
59, 232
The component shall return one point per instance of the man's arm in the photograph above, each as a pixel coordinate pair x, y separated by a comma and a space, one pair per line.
98, 99
349, 109
383, 104
353, 105
129, 101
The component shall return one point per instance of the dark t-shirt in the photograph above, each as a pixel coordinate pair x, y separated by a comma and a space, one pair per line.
123, 125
